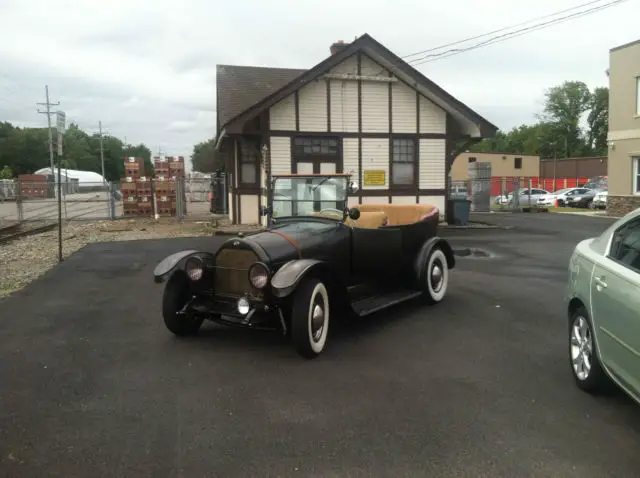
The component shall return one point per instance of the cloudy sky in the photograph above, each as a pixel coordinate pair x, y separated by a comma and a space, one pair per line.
146, 68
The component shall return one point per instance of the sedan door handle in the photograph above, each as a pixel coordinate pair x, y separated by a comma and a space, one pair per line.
600, 282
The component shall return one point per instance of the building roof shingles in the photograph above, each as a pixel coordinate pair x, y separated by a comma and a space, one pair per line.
240, 87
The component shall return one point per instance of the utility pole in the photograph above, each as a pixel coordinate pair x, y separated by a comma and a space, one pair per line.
47, 112
101, 152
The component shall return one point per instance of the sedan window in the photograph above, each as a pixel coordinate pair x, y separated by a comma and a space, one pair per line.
625, 245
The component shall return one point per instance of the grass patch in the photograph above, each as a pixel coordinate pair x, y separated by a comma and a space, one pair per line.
570, 209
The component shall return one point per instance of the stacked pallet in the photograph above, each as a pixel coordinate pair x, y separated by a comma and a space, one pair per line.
169, 171
33, 186
136, 189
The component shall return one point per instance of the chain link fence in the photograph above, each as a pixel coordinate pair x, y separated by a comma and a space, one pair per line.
38, 200
499, 193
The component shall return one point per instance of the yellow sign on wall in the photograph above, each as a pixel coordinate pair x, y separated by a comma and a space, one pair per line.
374, 177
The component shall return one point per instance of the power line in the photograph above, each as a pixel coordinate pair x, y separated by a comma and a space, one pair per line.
514, 34
498, 30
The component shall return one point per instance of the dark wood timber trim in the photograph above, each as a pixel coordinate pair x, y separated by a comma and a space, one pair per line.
418, 144
388, 193
329, 105
296, 101
339, 134
360, 173
390, 165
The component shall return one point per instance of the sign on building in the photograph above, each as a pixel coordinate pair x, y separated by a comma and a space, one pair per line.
375, 177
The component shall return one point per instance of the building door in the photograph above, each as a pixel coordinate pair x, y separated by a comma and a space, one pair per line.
317, 155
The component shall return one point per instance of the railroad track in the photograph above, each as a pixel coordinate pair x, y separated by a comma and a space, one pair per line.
19, 230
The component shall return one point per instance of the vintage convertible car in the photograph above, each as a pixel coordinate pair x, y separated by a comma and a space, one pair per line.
317, 259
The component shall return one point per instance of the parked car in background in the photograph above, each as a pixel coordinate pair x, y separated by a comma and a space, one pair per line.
528, 197
560, 195
458, 192
603, 308
583, 198
600, 200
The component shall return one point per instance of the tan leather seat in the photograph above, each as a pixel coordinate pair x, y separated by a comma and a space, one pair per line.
400, 214
371, 220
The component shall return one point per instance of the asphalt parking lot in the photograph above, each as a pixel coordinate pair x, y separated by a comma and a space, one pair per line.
92, 384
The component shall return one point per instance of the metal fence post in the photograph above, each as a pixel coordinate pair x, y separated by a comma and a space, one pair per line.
180, 197
19, 206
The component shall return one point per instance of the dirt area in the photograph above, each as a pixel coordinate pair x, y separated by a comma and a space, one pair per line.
25, 259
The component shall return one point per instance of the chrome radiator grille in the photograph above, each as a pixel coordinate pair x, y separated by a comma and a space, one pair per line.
232, 271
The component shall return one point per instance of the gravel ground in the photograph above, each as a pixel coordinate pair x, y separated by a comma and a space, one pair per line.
25, 259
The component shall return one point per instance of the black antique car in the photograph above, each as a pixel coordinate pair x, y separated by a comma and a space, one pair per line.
317, 259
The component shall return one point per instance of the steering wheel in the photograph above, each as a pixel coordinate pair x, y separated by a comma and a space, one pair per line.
331, 209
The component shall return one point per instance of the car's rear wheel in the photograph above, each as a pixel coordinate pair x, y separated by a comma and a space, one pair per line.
436, 276
176, 295
310, 318
583, 354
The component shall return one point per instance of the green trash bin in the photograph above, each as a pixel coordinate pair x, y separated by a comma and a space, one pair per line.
458, 212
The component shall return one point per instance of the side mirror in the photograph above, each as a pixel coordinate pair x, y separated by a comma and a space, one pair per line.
354, 213
353, 187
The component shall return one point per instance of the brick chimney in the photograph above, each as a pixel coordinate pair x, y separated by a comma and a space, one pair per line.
338, 47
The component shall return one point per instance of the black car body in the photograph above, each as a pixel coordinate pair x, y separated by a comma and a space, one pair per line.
318, 258
582, 199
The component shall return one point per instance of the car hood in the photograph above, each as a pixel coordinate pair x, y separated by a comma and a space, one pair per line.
292, 240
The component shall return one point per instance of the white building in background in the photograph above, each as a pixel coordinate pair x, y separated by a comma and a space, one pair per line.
84, 179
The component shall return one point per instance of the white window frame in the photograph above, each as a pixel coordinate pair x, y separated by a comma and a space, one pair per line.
638, 95
634, 178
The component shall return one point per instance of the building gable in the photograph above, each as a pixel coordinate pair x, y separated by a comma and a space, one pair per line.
473, 125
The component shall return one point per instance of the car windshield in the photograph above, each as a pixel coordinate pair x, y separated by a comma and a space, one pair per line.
295, 196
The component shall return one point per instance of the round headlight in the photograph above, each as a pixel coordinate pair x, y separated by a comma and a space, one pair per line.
258, 275
194, 268
243, 306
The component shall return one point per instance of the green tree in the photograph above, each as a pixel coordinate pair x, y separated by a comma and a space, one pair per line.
25, 150
565, 106
6, 173
598, 121
205, 158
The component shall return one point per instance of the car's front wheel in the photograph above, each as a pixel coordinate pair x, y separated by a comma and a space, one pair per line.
436, 276
176, 295
583, 354
310, 318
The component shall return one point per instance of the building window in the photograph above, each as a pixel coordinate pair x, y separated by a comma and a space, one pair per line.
249, 160
638, 95
517, 163
636, 175
472, 160
305, 146
403, 162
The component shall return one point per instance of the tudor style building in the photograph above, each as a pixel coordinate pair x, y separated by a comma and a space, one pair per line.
362, 110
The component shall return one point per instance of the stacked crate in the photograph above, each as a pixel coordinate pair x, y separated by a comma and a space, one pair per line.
169, 171
136, 189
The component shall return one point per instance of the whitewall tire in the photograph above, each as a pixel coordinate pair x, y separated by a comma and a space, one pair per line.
310, 318
436, 277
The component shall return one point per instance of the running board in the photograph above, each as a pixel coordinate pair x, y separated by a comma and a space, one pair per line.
370, 305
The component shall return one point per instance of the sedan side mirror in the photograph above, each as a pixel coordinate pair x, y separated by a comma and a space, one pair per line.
354, 213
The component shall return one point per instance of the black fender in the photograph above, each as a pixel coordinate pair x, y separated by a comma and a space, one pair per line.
421, 259
176, 261
290, 274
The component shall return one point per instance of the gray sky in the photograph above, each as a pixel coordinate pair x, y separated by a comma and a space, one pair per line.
147, 68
